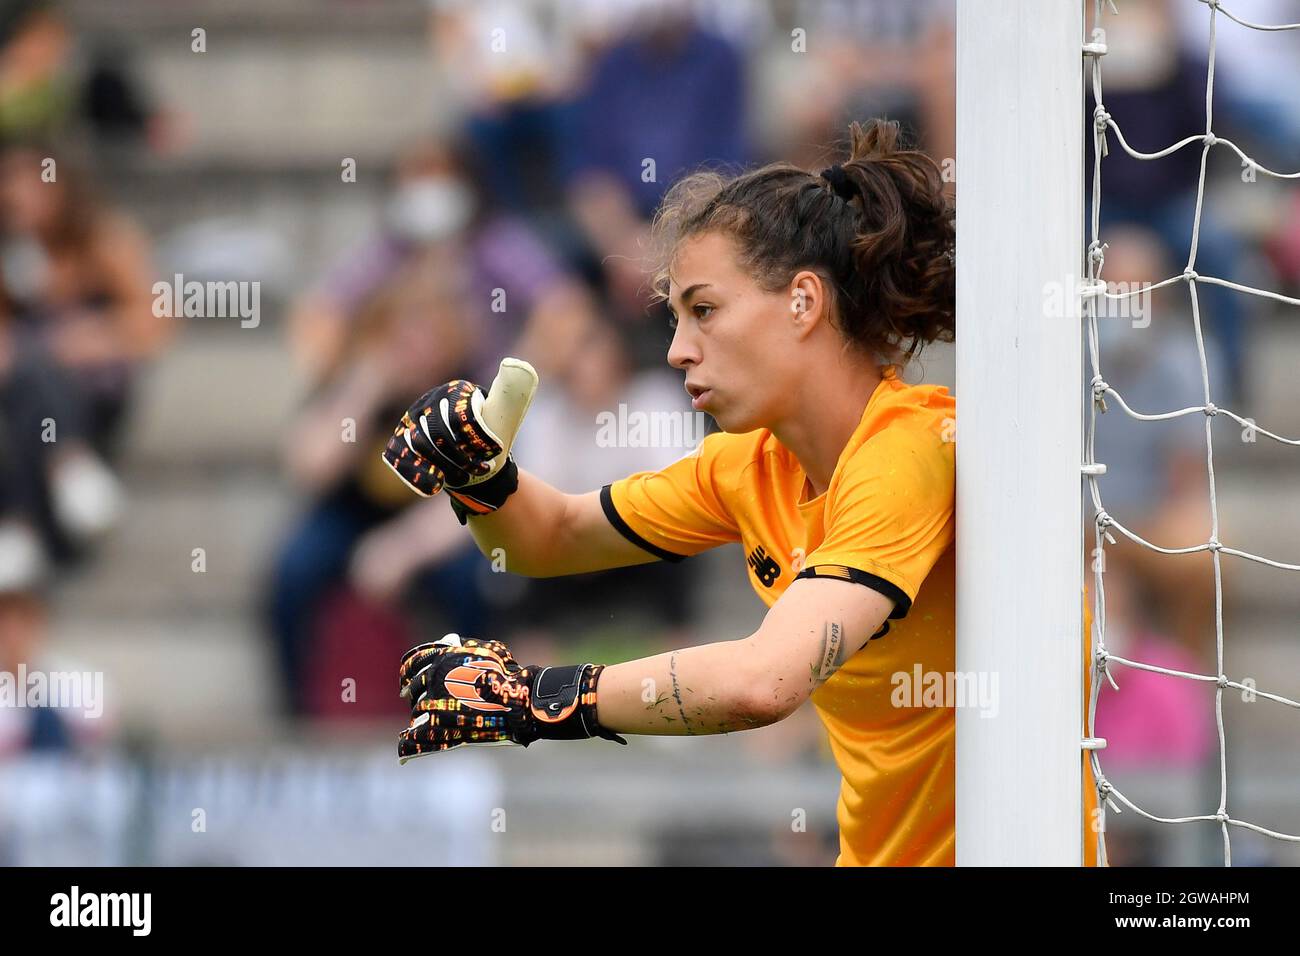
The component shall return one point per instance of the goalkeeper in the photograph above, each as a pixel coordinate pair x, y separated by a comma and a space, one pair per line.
796, 297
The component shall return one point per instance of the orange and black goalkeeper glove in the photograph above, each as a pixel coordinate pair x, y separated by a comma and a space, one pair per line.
475, 692
442, 442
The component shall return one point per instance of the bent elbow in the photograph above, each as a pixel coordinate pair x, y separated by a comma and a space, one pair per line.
765, 704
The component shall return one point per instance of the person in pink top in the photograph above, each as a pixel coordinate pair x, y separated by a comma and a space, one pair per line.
1154, 720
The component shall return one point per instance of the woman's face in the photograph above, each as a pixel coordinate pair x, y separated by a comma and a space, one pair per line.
735, 341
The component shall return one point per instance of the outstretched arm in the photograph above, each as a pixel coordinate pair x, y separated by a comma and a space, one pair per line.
475, 692
813, 628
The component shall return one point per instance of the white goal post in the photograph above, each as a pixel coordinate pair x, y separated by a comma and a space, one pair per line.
1020, 227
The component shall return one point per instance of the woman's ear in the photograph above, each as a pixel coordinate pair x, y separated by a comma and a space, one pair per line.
808, 301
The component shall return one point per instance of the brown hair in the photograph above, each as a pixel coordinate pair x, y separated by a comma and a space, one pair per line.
886, 251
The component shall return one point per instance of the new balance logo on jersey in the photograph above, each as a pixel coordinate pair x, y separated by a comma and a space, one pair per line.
766, 569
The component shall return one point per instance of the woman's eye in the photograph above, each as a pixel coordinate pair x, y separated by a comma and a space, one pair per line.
701, 311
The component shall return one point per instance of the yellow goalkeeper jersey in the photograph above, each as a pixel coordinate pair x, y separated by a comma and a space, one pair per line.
887, 522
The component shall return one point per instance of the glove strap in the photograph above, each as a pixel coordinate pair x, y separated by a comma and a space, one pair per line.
564, 703
486, 496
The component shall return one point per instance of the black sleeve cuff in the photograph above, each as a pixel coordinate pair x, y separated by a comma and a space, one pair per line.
623, 528
902, 603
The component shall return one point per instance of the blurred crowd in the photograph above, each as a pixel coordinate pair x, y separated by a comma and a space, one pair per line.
76, 325
516, 225
1160, 608
520, 230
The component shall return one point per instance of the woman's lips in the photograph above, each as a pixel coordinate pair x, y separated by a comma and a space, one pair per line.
700, 397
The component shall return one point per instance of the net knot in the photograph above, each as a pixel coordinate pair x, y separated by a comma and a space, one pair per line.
1210, 139
1222, 682
1104, 520
1191, 275
1101, 118
1097, 250
1099, 389
1221, 817
1213, 544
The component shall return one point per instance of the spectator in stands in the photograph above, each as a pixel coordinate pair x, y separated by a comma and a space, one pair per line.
855, 58
1247, 64
1155, 92
35, 77
665, 98
596, 419
55, 490
509, 67
435, 204
1157, 727
668, 92
77, 323
1156, 482
1154, 721
41, 724
362, 527
586, 375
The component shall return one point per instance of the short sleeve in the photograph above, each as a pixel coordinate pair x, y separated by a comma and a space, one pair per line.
891, 516
678, 510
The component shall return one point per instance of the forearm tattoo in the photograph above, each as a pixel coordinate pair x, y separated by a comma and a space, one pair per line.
832, 653
677, 693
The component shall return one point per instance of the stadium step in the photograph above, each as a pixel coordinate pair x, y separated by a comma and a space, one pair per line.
329, 75
149, 563
181, 678
215, 400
